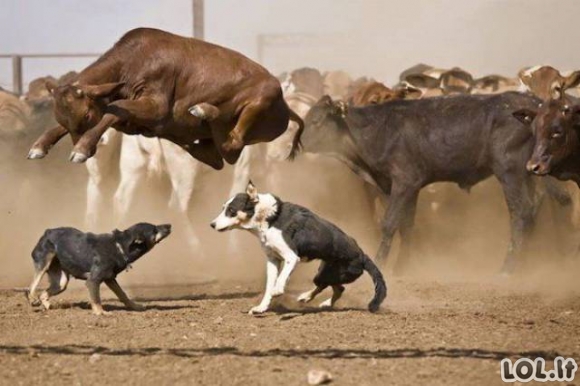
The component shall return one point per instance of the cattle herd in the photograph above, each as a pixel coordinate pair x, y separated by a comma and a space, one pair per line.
187, 106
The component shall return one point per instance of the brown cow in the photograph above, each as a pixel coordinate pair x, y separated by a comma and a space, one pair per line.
546, 82
209, 100
456, 81
494, 84
375, 93
556, 138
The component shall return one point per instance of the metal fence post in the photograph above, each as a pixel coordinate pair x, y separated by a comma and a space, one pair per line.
198, 16
17, 85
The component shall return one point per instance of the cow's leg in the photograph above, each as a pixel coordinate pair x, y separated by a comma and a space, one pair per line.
86, 146
100, 169
230, 144
48, 139
519, 194
184, 172
205, 150
242, 171
95, 193
401, 202
406, 232
133, 168
142, 109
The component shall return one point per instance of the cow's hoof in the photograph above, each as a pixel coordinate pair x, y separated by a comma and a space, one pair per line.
36, 154
77, 158
197, 111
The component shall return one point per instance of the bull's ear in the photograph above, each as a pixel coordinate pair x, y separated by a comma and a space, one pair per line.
103, 90
50, 86
326, 99
572, 80
525, 116
252, 191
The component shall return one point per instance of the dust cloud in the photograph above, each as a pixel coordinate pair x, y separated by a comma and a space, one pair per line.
459, 236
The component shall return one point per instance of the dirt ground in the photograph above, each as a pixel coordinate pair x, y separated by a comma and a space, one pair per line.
426, 333
450, 320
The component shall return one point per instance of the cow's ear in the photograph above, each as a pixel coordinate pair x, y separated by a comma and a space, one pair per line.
103, 90
572, 80
326, 99
525, 116
50, 86
252, 191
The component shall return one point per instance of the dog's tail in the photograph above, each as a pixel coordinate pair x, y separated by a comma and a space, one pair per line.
296, 143
378, 280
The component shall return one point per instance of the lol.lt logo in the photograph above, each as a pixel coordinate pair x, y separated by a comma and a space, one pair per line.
526, 370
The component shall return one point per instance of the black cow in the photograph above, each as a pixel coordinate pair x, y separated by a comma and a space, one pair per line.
402, 146
555, 126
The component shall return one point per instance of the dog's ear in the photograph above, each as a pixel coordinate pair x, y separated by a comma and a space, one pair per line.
252, 191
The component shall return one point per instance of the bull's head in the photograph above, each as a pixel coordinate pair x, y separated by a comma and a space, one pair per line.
555, 126
324, 126
78, 108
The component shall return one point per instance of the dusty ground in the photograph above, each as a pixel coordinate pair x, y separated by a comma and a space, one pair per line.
449, 323
427, 333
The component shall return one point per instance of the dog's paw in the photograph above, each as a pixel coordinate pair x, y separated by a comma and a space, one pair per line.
277, 291
136, 307
45, 302
257, 310
326, 304
305, 297
101, 312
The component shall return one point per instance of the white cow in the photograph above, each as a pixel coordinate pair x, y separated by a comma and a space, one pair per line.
139, 158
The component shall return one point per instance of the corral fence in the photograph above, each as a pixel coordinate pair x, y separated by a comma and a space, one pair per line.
17, 65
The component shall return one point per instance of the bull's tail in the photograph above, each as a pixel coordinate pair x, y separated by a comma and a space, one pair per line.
296, 143
378, 280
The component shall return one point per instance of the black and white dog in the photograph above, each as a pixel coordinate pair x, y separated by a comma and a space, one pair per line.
290, 233
62, 252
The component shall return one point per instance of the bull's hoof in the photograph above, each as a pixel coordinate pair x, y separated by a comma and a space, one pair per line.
36, 154
77, 158
197, 111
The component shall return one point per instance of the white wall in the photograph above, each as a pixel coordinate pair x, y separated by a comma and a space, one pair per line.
378, 38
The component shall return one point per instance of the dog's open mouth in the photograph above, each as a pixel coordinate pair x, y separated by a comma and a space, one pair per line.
162, 232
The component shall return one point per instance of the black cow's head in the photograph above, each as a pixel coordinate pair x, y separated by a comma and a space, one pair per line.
324, 126
555, 126
78, 108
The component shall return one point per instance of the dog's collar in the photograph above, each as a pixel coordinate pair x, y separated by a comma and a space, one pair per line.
124, 255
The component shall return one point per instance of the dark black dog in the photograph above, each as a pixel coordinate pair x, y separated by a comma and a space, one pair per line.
95, 258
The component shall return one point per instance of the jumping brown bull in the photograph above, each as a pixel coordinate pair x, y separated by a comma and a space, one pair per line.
209, 100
